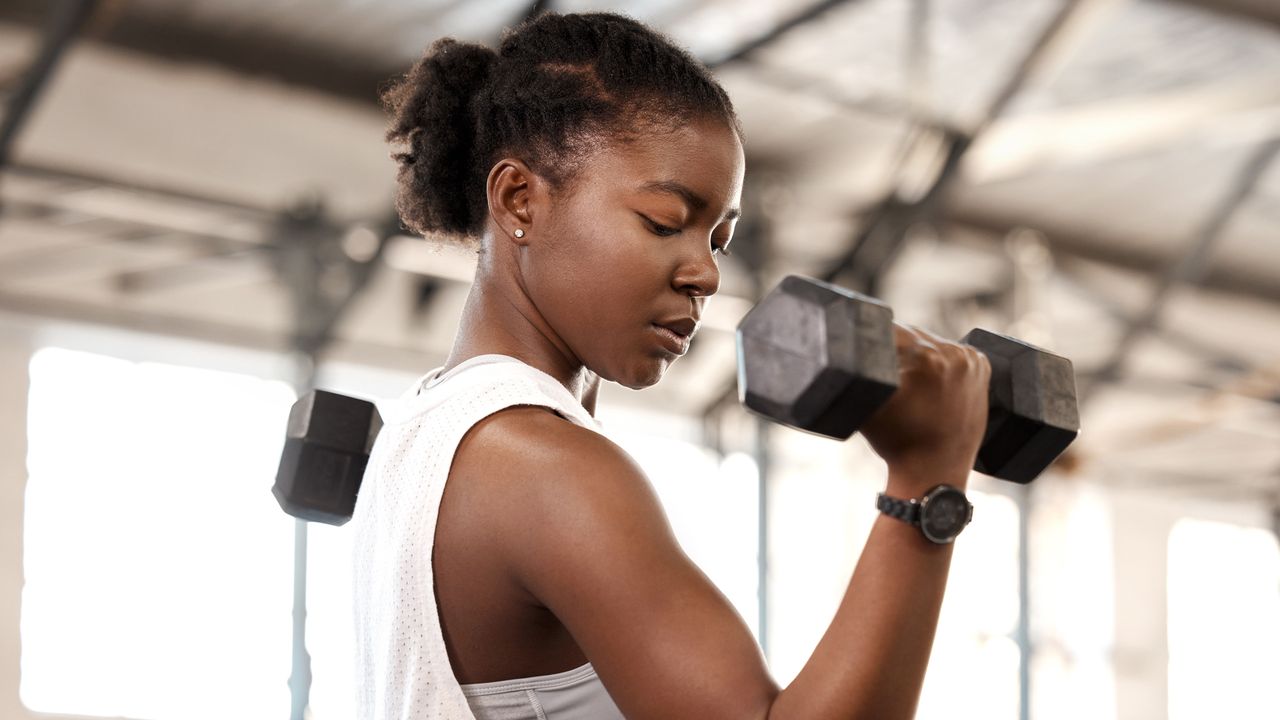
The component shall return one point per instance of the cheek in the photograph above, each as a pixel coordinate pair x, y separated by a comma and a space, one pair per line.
568, 276
610, 274
610, 257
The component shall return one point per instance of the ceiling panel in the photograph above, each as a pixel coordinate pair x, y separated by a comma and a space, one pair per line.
1150, 47
1156, 203
950, 70
204, 130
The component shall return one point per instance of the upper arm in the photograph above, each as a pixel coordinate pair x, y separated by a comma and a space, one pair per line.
591, 542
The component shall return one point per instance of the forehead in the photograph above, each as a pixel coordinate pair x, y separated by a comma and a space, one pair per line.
705, 156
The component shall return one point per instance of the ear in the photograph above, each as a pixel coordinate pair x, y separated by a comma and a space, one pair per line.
516, 198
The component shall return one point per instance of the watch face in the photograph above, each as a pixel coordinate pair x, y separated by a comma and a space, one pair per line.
944, 515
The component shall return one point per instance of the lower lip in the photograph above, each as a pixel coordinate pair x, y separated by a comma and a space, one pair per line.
674, 343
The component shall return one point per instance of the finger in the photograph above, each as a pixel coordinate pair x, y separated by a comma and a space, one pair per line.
914, 336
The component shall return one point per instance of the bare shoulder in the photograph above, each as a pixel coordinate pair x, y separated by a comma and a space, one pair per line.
535, 433
548, 467
581, 530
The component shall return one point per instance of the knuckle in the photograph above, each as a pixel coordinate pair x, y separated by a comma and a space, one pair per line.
932, 358
953, 354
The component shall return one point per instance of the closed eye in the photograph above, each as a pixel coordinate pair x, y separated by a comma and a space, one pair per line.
658, 229
666, 231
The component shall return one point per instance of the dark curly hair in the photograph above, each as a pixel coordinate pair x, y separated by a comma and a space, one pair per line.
558, 87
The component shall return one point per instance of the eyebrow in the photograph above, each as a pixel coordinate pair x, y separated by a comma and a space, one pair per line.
691, 198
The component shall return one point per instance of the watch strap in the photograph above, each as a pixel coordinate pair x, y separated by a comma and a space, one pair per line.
908, 511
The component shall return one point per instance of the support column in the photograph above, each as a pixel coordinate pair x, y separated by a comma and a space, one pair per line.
15, 358
761, 452
1022, 632
300, 676
323, 279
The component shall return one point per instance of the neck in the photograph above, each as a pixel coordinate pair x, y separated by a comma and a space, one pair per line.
499, 318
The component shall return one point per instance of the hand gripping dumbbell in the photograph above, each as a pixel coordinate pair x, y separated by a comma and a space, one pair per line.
326, 449
822, 359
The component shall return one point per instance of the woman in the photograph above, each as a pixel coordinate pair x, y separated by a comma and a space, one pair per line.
600, 169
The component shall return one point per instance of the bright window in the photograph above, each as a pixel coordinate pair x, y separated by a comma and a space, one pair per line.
973, 669
158, 566
711, 504
1224, 621
822, 507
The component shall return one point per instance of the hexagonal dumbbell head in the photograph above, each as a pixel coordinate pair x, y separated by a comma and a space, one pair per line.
816, 357
326, 448
1032, 412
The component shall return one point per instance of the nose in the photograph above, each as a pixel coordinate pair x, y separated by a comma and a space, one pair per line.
698, 276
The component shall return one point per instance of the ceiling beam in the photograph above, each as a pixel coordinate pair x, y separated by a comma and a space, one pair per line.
1099, 295
317, 66
244, 50
1050, 50
1116, 251
407, 358
1260, 11
66, 17
1239, 109
1190, 266
67, 179
803, 17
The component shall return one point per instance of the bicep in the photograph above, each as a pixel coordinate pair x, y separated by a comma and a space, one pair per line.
599, 553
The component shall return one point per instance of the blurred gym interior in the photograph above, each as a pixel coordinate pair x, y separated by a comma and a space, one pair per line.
197, 226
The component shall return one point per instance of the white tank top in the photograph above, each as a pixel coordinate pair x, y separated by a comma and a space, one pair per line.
402, 667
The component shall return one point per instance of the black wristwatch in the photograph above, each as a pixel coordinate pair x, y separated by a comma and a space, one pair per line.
941, 514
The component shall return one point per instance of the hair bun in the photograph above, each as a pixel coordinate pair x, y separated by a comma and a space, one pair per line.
432, 117
560, 88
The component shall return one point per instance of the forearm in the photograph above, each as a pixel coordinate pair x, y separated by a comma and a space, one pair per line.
871, 661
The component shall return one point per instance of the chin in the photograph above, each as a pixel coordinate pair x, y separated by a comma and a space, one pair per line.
647, 375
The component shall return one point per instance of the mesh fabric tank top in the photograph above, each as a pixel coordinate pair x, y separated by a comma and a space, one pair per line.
402, 666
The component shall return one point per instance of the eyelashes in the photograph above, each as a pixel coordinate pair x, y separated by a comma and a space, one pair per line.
661, 230
665, 231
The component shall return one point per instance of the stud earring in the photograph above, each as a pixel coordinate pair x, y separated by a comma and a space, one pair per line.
519, 232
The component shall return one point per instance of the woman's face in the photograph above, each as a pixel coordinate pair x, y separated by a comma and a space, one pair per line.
633, 243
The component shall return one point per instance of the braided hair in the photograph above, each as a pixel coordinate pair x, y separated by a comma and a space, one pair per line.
557, 88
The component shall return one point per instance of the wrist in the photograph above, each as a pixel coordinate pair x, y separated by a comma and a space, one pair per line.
911, 480
940, 515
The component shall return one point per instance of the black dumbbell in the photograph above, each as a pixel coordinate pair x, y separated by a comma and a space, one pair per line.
821, 358
811, 355
326, 449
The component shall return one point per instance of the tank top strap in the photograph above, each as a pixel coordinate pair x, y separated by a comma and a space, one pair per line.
483, 385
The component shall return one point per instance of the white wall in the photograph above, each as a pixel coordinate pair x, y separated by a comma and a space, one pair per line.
18, 340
